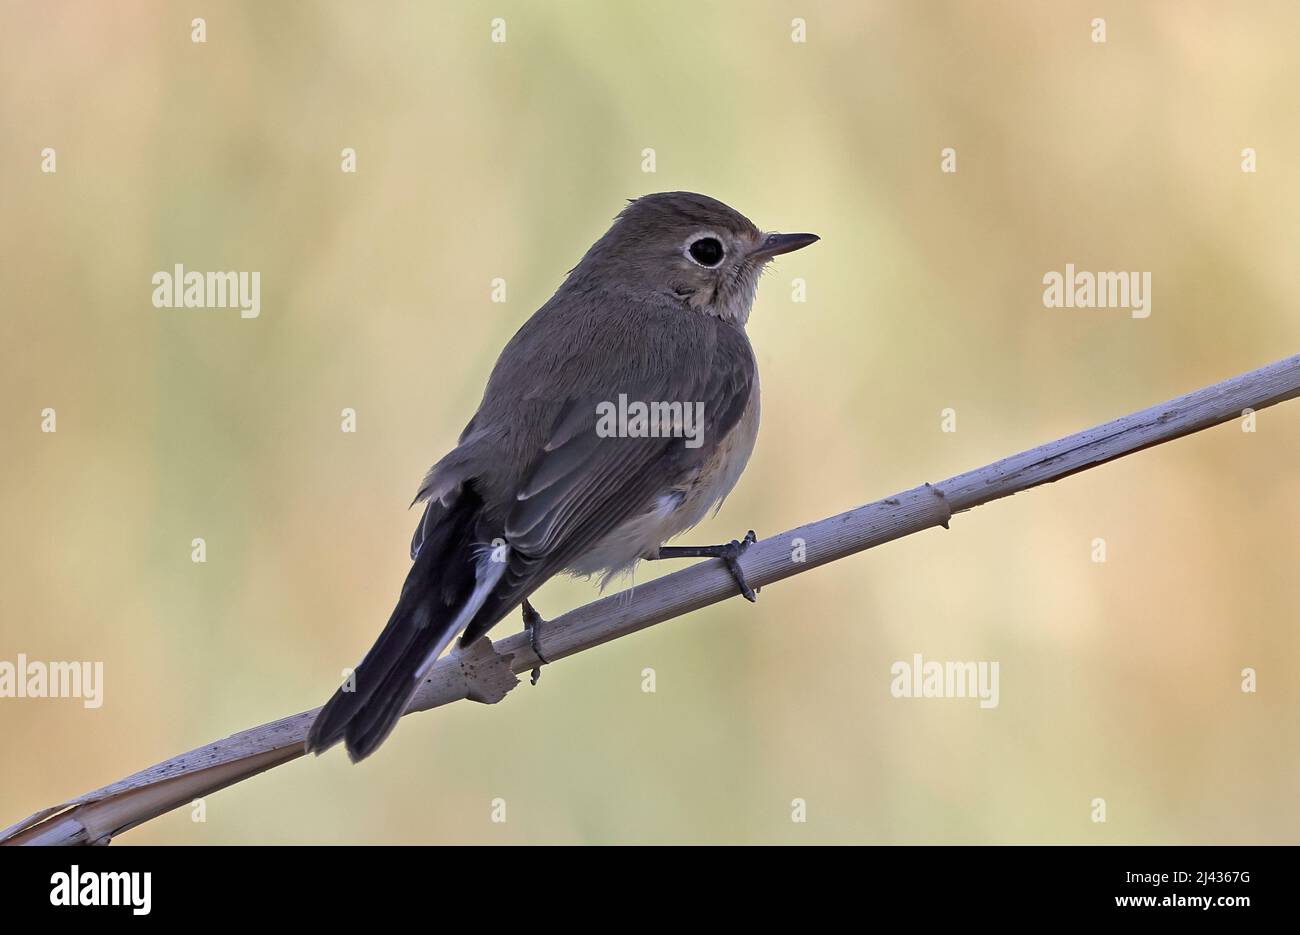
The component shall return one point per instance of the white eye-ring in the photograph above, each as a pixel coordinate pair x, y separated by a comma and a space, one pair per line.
705, 250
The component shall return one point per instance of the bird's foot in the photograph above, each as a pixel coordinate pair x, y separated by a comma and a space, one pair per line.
729, 552
731, 555
532, 623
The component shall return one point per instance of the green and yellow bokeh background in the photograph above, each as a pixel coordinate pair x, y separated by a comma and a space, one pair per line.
478, 160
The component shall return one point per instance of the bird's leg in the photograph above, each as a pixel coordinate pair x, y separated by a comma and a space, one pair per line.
532, 623
729, 553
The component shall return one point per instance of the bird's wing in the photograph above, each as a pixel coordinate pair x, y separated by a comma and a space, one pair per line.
582, 486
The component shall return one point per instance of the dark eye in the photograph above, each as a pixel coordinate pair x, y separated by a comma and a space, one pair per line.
707, 251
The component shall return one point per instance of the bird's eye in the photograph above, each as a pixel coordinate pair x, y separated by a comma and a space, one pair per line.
707, 251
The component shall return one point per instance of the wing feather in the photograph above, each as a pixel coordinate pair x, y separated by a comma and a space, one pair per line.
582, 486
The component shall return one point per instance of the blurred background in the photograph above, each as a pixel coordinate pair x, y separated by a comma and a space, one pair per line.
476, 160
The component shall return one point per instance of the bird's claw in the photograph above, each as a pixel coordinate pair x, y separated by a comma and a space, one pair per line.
532, 623
733, 550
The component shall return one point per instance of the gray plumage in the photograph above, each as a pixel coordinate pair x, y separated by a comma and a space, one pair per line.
532, 488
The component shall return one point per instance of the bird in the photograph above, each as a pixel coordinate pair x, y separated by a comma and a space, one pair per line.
543, 480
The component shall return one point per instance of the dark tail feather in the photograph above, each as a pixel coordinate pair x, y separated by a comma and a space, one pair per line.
441, 583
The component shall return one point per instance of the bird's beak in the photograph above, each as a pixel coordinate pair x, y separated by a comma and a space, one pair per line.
777, 244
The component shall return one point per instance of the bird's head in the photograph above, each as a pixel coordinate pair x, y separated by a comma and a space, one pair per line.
686, 248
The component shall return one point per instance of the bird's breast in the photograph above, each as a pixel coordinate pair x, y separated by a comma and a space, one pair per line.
718, 475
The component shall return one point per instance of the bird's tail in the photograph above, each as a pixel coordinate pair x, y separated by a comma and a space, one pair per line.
450, 578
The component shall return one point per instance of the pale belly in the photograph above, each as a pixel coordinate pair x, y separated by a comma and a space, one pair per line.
679, 508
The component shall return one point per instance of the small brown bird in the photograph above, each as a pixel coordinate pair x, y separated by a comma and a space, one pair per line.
620, 413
